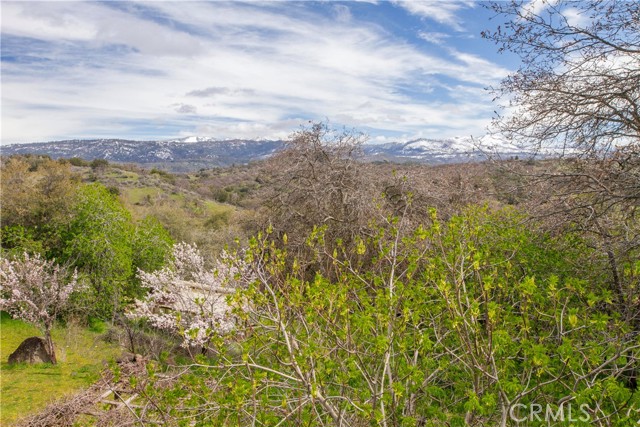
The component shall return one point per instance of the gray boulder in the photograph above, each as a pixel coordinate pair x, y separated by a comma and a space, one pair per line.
32, 350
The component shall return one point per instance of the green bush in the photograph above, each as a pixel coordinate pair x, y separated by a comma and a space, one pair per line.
218, 220
77, 161
452, 323
151, 244
99, 242
99, 164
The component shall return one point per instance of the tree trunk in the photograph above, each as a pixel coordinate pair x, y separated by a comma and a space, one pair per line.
50, 348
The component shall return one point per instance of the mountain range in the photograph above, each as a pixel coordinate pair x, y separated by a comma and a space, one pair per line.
194, 153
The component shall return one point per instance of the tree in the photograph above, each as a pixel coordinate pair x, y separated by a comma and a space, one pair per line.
98, 241
578, 91
36, 291
188, 298
152, 245
99, 164
579, 82
36, 198
319, 181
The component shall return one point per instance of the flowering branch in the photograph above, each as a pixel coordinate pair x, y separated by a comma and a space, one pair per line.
189, 299
36, 290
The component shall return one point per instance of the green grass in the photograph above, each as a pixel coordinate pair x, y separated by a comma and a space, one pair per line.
177, 197
216, 208
122, 177
26, 389
138, 195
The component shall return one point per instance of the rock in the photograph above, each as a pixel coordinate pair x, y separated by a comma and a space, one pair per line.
32, 350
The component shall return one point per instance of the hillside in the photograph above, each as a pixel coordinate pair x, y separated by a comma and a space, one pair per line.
193, 153
408, 251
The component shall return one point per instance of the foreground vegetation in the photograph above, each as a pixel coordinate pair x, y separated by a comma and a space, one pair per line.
422, 304
82, 355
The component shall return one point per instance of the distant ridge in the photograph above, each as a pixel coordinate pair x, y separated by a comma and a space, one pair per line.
193, 153
176, 155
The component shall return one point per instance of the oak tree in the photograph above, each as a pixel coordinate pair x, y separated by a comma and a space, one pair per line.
577, 93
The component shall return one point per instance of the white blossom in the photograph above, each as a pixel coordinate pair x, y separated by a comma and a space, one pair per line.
34, 289
189, 299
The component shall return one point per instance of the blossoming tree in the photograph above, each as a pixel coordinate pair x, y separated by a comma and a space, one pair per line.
36, 290
190, 299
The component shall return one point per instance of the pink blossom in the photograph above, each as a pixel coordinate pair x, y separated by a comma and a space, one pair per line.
34, 289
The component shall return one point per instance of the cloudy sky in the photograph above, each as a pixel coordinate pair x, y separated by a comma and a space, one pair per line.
396, 70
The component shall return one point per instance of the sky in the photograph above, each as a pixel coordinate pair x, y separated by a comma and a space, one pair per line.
394, 70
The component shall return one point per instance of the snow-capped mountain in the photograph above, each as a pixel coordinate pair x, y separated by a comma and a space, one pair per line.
453, 150
192, 139
183, 154
193, 153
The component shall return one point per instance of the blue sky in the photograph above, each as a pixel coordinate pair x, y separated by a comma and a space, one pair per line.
395, 70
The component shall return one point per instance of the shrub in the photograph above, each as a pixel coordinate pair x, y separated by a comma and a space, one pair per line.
452, 323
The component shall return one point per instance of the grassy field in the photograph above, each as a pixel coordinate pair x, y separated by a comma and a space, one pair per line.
26, 389
139, 195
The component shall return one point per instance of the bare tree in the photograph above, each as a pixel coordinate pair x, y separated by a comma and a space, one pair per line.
579, 82
577, 93
320, 182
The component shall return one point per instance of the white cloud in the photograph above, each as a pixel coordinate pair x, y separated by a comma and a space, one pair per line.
536, 7
23, 19
185, 109
93, 22
231, 70
484, 72
444, 12
342, 13
433, 36
575, 17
